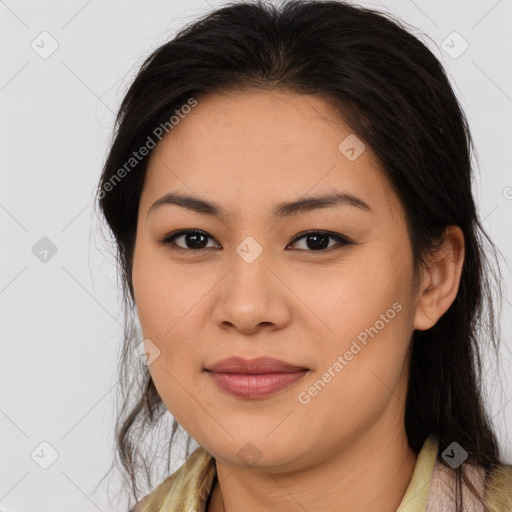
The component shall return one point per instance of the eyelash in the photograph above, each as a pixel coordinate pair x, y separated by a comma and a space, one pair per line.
341, 240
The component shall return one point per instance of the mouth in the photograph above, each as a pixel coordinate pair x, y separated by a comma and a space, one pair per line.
260, 365
257, 378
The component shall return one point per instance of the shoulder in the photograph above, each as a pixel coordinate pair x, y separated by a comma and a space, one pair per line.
495, 487
187, 488
498, 489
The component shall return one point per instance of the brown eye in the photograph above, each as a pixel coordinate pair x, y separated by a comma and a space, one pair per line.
318, 241
191, 240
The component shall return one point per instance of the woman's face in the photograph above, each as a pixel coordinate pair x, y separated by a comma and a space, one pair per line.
252, 284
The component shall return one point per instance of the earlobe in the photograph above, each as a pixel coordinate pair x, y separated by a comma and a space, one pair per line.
440, 281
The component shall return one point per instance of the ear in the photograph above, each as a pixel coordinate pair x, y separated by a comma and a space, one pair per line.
440, 281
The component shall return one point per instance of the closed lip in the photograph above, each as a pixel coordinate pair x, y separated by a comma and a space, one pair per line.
260, 365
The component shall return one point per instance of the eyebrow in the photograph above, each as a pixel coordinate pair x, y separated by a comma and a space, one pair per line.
281, 210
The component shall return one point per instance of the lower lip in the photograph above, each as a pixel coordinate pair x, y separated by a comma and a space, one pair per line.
255, 385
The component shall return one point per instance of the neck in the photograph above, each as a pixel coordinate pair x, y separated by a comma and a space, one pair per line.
370, 473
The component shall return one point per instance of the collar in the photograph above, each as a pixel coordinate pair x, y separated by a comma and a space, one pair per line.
190, 486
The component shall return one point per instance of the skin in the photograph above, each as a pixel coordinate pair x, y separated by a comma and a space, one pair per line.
346, 449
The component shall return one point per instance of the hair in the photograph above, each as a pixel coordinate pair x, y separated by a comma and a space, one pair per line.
394, 94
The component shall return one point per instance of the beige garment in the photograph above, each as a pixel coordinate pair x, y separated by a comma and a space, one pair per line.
443, 489
431, 489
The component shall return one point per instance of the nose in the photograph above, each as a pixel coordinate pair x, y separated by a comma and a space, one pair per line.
253, 297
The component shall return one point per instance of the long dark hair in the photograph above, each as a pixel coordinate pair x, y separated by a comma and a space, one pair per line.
394, 94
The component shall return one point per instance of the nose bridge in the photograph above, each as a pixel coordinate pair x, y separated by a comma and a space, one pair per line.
251, 293
250, 269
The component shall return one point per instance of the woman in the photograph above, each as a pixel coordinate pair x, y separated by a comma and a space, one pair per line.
290, 194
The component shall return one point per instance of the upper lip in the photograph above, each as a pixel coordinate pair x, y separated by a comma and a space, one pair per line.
253, 366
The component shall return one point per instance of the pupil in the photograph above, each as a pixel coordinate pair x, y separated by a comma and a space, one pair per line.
316, 244
193, 237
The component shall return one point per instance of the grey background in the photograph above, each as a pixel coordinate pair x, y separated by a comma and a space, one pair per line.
60, 321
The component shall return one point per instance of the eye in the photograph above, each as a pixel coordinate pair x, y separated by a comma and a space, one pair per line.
316, 241
193, 237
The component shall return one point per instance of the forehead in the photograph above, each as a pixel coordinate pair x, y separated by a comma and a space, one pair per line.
243, 148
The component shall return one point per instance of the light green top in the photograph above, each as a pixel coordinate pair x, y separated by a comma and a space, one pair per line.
416, 495
189, 487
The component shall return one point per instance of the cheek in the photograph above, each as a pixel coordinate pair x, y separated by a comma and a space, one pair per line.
360, 371
345, 299
169, 301
165, 294
360, 358
164, 298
